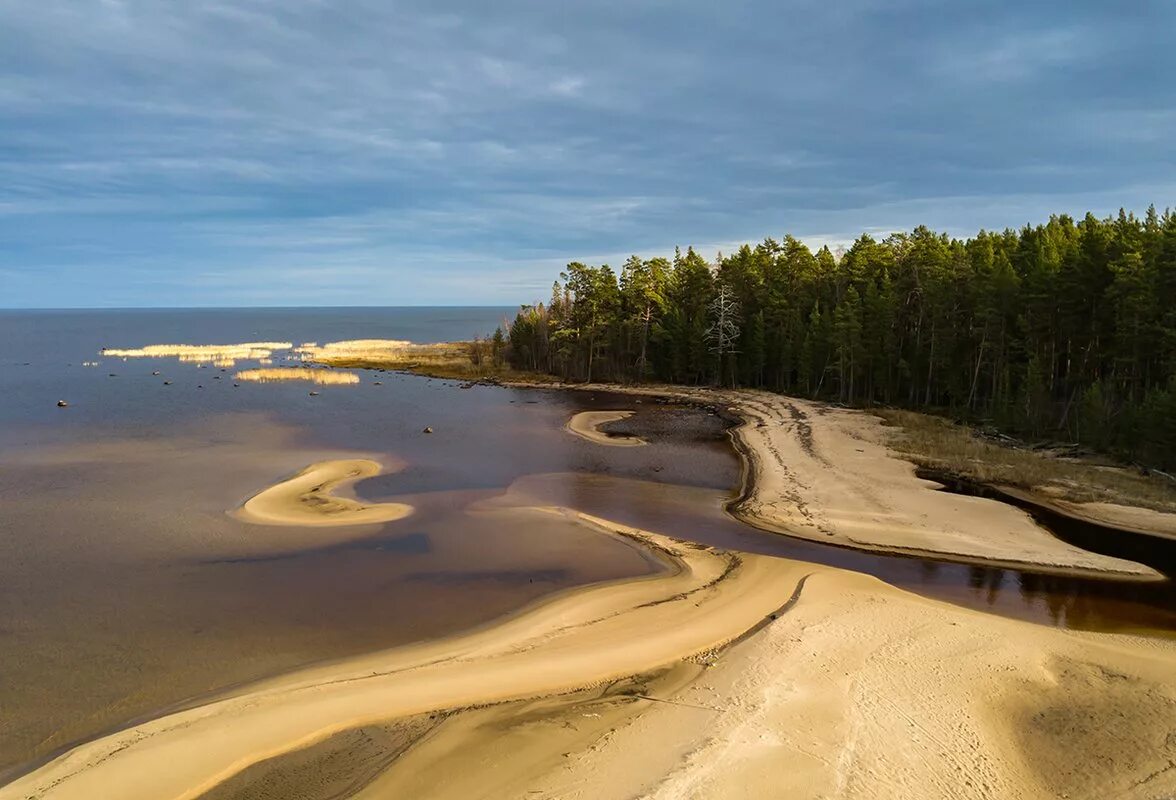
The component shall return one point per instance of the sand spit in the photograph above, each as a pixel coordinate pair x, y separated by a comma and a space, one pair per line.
322, 377
700, 599
586, 425
828, 474
308, 498
1145, 521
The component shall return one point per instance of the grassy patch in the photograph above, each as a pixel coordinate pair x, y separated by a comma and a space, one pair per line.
451, 360
938, 443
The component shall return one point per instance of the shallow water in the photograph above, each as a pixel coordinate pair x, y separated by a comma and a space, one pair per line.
125, 588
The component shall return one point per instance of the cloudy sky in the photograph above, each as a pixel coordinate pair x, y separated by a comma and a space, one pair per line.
377, 152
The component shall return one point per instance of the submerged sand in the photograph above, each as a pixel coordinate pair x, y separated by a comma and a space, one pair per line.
586, 425
308, 498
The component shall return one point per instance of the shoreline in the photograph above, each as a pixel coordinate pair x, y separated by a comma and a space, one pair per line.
785, 630
700, 600
772, 498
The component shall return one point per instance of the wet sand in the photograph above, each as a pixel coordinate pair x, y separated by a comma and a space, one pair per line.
586, 425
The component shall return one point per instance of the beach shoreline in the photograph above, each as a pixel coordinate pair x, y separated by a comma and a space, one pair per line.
766, 617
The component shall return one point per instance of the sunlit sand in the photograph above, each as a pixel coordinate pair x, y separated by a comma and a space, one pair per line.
587, 424
307, 498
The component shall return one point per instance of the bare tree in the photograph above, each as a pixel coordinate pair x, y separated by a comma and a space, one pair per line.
723, 333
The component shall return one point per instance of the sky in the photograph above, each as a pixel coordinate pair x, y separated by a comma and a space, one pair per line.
376, 152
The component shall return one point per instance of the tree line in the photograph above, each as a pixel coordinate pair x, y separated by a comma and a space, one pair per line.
1066, 329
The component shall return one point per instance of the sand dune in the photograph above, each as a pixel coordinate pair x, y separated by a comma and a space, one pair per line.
308, 499
586, 425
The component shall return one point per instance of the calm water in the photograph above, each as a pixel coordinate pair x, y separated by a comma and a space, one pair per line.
125, 588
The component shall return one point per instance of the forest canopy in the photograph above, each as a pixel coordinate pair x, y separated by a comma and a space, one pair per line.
1062, 329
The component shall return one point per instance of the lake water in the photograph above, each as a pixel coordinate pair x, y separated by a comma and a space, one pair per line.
126, 588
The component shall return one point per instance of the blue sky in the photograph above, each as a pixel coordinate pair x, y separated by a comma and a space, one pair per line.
371, 152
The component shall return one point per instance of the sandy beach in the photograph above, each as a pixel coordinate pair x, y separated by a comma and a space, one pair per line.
721, 675
828, 474
586, 425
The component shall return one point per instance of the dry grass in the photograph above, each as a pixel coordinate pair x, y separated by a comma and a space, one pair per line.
322, 377
938, 443
203, 353
438, 360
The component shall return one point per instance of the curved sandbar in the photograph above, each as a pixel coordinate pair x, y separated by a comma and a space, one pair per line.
307, 498
586, 425
701, 599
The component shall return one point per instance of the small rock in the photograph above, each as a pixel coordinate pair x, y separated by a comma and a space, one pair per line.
428, 430
167, 383
62, 404
199, 386
154, 372
378, 383
314, 394
112, 375
235, 385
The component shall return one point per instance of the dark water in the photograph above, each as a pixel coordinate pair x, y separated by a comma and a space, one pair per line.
125, 587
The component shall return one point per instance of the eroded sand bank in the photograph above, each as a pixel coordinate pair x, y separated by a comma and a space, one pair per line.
309, 498
586, 425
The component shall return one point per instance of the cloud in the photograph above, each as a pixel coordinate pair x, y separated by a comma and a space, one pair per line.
410, 153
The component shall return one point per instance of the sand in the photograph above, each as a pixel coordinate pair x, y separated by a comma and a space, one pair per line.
827, 474
586, 425
720, 676
308, 499
700, 599
864, 691
1146, 521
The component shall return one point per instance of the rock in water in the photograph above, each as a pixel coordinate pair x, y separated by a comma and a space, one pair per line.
62, 404
428, 430
314, 394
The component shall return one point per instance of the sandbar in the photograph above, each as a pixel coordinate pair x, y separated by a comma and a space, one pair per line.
586, 425
309, 498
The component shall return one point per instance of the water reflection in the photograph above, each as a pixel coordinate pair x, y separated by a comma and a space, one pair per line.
698, 514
